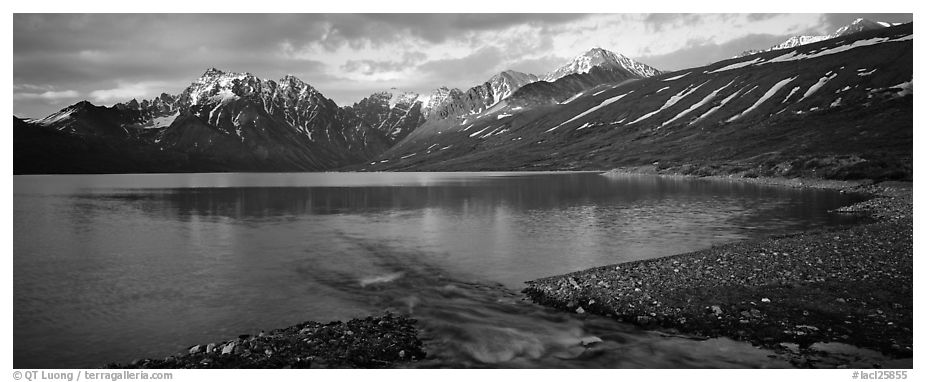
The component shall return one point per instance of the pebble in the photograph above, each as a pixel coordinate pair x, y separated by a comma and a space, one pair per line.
819, 265
228, 348
379, 342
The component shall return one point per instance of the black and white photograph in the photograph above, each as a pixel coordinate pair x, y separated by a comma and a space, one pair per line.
436, 189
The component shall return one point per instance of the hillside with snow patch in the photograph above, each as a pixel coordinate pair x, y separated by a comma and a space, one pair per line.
847, 99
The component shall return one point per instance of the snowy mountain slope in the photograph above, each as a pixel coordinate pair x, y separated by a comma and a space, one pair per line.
451, 103
243, 122
858, 25
846, 97
462, 110
504, 84
823, 100
597, 57
235, 120
394, 113
287, 124
437, 98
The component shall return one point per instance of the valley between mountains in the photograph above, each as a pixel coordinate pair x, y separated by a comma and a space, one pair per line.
837, 106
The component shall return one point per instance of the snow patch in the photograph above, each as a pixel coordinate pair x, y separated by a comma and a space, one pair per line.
768, 94
794, 55
671, 101
478, 132
736, 65
573, 98
55, 117
796, 88
903, 88
822, 81
601, 105
718, 107
698, 104
676, 77
497, 131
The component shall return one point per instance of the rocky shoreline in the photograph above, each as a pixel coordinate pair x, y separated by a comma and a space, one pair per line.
801, 294
373, 342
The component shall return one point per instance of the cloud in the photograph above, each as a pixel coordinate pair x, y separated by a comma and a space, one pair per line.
126, 91
832, 21
539, 66
699, 52
482, 63
348, 56
657, 22
49, 95
753, 17
434, 28
410, 60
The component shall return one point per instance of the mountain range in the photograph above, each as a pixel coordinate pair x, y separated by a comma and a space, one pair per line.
858, 25
835, 107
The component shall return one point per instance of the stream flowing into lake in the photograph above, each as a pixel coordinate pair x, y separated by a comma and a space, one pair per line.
117, 267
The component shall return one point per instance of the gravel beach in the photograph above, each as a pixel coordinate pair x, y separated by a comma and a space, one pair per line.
801, 294
373, 342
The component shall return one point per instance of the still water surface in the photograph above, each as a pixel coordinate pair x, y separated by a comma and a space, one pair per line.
117, 267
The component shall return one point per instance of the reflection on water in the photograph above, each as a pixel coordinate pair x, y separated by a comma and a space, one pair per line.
111, 267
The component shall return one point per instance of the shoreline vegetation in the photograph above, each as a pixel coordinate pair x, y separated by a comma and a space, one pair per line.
821, 298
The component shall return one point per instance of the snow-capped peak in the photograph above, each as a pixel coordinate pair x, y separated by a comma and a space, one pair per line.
437, 98
66, 113
798, 41
583, 63
216, 83
507, 82
858, 25
395, 96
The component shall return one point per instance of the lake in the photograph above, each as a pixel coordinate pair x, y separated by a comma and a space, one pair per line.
117, 267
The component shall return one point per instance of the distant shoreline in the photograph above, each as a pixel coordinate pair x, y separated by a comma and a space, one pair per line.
800, 294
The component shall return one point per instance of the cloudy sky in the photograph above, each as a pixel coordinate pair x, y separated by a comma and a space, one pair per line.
109, 58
